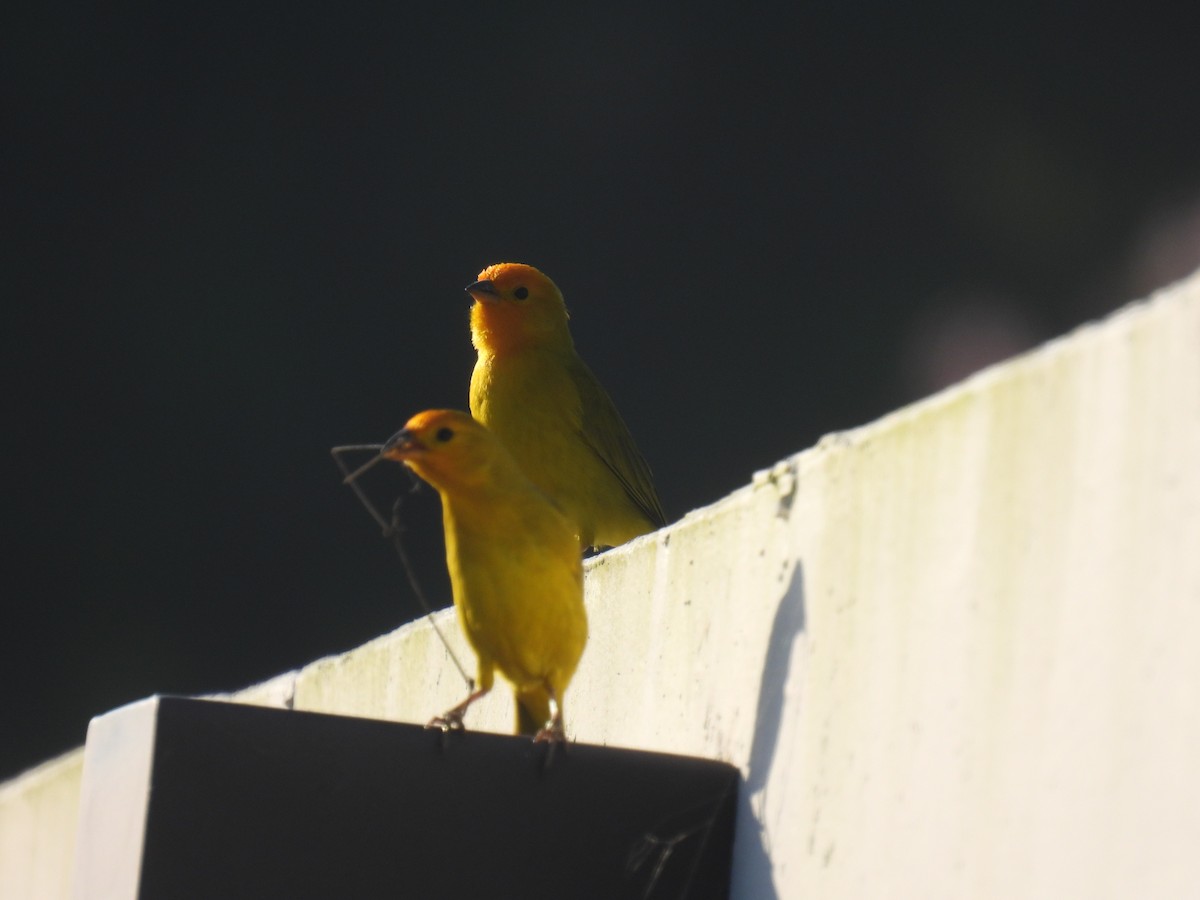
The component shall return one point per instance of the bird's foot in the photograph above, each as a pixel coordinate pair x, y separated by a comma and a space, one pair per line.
448, 721
552, 734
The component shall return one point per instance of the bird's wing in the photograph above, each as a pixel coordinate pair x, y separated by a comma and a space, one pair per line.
604, 431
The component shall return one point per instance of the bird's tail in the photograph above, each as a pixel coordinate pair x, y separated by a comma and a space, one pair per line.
533, 710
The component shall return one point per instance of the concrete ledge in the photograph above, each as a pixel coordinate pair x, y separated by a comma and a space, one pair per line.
952, 652
38, 814
200, 799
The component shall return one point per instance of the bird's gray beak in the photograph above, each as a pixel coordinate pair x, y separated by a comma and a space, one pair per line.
483, 291
399, 444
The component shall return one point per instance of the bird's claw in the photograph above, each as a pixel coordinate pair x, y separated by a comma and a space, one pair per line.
552, 735
447, 722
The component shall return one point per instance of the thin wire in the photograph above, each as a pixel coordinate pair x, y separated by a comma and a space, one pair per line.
395, 530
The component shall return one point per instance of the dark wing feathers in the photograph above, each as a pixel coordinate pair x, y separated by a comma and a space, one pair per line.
605, 432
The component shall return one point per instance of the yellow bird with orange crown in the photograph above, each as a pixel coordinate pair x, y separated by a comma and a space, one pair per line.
533, 391
515, 568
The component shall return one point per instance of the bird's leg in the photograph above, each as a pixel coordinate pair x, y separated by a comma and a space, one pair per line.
452, 719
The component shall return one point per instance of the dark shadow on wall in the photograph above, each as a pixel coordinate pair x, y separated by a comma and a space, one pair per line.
752, 862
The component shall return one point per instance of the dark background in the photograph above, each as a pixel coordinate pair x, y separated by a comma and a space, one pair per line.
233, 240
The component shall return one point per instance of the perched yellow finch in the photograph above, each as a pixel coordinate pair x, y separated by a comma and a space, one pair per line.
514, 563
533, 391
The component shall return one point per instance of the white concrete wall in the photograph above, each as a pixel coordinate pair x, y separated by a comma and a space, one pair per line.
38, 812
955, 652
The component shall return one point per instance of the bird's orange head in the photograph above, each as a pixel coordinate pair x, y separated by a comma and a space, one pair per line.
516, 306
449, 449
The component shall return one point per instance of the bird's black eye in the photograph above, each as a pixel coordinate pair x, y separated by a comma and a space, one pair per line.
444, 434
521, 293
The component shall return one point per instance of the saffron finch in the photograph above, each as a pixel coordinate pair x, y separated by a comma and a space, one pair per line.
515, 568
534, 392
